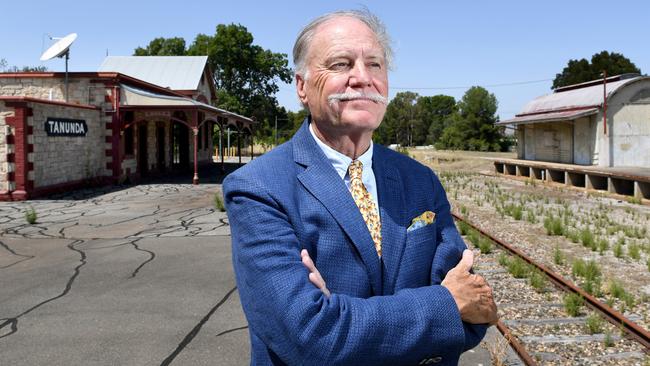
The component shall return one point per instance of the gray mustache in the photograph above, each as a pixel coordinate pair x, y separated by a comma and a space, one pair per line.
378, 98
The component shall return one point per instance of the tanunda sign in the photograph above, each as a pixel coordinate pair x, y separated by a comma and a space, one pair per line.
65, 127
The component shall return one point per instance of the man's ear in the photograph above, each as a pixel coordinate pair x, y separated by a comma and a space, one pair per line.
300, 88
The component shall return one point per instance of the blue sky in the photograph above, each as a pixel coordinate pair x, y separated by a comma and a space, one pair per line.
438, 44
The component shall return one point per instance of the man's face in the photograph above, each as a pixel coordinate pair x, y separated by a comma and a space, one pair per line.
345, 57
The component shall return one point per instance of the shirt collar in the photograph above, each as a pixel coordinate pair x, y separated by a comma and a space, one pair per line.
340, 161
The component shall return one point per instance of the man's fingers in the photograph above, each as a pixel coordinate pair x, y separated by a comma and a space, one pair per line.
314, 275
466, 261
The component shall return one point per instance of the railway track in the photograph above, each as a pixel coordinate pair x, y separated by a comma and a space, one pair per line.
548, 320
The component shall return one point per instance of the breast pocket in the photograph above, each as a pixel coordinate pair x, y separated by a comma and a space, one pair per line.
415, 270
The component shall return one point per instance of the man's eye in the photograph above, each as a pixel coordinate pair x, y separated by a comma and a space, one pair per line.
375, 65
340, 65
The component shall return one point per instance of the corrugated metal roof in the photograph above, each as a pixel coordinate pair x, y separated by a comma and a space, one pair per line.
174, 72
131, 96
583, 97
550, 116
568, 104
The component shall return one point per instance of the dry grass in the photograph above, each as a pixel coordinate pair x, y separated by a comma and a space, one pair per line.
458, 161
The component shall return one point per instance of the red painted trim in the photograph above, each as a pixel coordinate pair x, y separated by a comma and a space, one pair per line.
21, 148
113, 78
17, 99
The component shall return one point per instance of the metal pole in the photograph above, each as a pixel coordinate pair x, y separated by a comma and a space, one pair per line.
67, 57
605, 102
276, 130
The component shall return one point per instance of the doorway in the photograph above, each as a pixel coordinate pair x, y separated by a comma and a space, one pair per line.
142, 150
160, 148
180, 146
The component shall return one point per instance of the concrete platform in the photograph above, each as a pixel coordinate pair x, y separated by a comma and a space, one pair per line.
627, 181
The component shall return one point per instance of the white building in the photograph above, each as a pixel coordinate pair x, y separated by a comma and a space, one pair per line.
599, 123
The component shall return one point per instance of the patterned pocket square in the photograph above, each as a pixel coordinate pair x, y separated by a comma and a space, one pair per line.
425, 219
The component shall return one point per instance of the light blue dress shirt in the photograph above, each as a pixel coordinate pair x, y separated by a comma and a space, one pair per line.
341, 163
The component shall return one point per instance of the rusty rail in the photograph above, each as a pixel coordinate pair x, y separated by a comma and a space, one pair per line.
634, 330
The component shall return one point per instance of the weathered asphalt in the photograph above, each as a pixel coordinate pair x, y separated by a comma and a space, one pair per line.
137, 275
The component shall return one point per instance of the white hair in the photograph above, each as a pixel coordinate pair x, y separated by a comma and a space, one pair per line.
305, 37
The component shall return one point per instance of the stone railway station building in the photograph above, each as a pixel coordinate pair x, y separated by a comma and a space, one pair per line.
135, 117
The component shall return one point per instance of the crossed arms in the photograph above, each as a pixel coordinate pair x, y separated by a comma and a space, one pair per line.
288, 307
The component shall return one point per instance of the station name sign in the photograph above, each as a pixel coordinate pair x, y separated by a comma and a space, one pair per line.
65, 127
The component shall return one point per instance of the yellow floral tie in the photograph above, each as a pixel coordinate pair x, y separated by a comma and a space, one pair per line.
366, 205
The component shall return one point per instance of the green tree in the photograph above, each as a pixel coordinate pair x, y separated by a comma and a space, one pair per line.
4, 66
580, 71
434, 112
399, 121
246, 75
163, 47
473, 126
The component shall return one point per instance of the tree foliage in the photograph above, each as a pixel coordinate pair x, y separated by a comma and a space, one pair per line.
580, 71
435, 112
163, 47
473, 126
4, 67
246, 75
399, 120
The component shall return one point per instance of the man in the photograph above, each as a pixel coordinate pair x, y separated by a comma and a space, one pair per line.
345, 252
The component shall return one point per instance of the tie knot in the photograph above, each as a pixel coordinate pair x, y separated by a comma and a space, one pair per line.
355, 169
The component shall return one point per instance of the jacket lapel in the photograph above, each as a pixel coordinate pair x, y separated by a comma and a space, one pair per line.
392, 211
322, 181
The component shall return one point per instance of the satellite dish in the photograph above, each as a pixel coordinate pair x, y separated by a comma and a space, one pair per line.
60, 48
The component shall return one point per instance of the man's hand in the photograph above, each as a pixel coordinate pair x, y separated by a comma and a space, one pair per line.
314, 275
471, 292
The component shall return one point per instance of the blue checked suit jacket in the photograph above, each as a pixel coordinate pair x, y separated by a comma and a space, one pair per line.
381, 312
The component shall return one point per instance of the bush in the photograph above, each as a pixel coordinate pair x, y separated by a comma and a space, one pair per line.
558, 256
538, 280
218, 202
587, 238
618, 250
554, 226
518, 268
633, 251
572, 304
594, 324
30, 215
463, 228
484, 245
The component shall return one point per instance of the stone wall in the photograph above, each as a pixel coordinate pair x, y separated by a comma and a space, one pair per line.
81, 90
64, 159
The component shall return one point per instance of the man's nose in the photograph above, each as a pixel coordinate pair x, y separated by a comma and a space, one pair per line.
360, 76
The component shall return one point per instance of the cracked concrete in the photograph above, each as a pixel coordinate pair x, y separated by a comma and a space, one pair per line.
137, 275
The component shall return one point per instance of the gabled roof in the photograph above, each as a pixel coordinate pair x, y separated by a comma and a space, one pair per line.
173, 72
569, 102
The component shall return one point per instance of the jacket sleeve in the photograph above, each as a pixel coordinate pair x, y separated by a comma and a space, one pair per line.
448, 254
302, 326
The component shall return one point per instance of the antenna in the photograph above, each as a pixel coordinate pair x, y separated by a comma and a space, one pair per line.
60, 49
